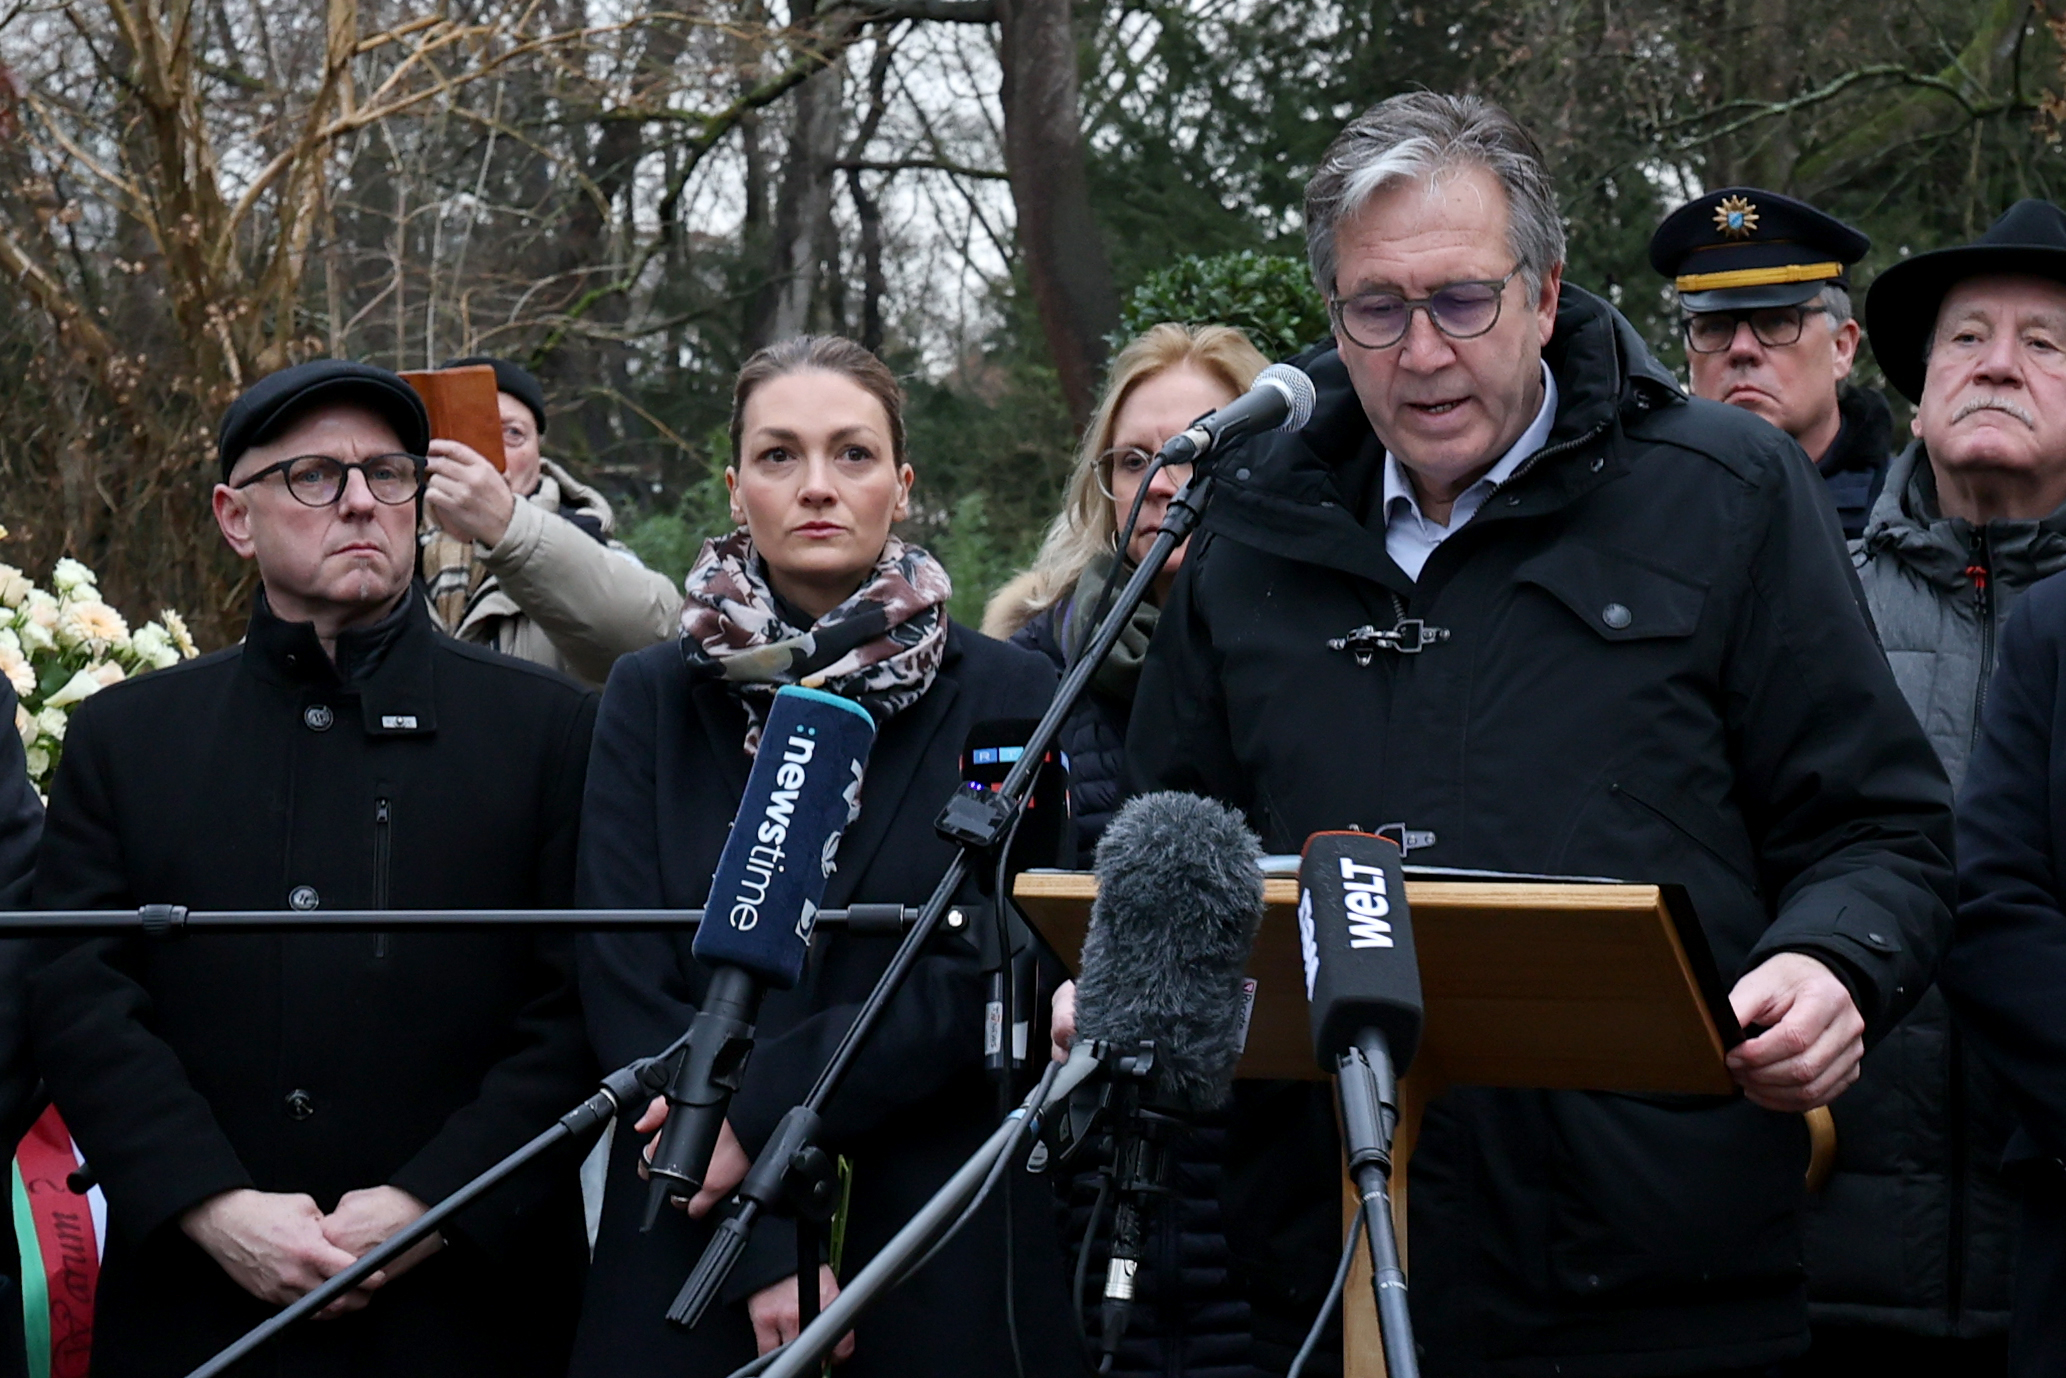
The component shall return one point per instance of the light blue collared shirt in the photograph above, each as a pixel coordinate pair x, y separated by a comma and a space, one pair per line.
1411, 537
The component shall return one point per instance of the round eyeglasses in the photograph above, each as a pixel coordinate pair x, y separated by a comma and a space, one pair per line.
1774, 327
1461, 310
319, 480
1126, 463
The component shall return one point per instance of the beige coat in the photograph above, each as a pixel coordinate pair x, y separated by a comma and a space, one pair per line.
550, 593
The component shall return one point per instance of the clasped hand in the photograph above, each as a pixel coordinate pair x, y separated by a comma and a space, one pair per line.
280, 1246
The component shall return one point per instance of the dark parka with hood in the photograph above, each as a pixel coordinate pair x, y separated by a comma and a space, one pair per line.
1656, 667
1915, 1229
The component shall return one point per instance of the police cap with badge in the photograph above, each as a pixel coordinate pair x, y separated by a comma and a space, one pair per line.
1744, 249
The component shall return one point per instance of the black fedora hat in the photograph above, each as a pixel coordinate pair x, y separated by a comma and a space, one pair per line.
1901, 309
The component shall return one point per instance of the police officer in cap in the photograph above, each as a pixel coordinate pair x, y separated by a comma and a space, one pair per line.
1764, 281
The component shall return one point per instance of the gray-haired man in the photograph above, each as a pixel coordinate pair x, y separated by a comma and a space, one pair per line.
1616, 636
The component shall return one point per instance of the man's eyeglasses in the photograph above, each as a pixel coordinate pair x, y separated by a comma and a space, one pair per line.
1775, 327
1126, 464
319, 480
1462, 311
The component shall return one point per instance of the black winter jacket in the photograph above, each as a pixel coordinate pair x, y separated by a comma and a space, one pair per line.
423, 774
1191, 1318
668, 771
1656, 668
1093, 737
2007, 965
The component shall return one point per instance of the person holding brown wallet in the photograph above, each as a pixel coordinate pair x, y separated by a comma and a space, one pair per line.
522, 559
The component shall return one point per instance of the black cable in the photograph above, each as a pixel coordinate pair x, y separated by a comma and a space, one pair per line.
1090, 1234
996, 1173
1333, 1301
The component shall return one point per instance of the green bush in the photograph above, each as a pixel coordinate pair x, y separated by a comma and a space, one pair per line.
1269, 297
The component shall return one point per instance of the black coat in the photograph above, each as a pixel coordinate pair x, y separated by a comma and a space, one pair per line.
1656, 668
431, 776
668, 770
2007, 965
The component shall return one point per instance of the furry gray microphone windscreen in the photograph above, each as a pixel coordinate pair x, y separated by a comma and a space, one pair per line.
1180, 896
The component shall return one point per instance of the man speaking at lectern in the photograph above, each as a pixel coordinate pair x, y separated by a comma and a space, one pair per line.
1515, 600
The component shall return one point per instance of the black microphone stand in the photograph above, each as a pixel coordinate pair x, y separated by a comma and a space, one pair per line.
176, 920
1369, 1113
978, 824
949, 1208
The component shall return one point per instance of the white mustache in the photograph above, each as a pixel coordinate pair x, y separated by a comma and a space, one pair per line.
2000, 404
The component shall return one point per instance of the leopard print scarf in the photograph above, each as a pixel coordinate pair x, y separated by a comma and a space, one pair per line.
881, 648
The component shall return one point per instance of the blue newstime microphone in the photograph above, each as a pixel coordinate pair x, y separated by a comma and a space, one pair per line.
756, 931
1363, 981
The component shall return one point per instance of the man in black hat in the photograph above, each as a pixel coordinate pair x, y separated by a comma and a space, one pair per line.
1977, 337
1764, 281
1910, 1241
524, 560
261, 1110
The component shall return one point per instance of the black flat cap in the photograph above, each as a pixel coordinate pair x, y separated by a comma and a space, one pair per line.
1742, 248
514, 379
276, 399
1901, 309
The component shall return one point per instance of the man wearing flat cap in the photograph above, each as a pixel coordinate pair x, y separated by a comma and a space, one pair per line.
261, 1110
523, 560
1764, 284
1976, 335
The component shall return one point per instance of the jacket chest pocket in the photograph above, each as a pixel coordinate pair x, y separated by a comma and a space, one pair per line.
1618, 597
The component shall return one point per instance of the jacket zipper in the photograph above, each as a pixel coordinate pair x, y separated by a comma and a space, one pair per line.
383, 848
1981, 572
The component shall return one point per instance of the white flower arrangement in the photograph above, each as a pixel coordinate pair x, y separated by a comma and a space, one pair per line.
59, 649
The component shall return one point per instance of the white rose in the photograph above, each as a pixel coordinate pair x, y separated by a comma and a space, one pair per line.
39, 762
37, 637
51, 723
152, 644
83, 685
69, 575
14, 586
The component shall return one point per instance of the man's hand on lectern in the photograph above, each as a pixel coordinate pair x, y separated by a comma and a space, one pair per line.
1813, 1040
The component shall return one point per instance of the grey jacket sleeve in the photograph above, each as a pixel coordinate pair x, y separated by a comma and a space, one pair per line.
594, 602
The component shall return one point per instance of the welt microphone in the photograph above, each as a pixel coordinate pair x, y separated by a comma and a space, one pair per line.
1180, 896
804, 789
1363, 982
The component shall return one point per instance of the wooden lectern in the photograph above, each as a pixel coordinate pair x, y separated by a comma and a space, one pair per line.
1549, 985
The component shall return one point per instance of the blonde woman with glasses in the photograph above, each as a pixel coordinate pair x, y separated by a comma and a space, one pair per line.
1160, 382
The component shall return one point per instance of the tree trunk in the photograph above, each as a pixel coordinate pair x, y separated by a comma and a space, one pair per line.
802, 210
1058, 237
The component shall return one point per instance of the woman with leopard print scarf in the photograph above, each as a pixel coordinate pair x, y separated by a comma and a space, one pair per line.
812, 589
